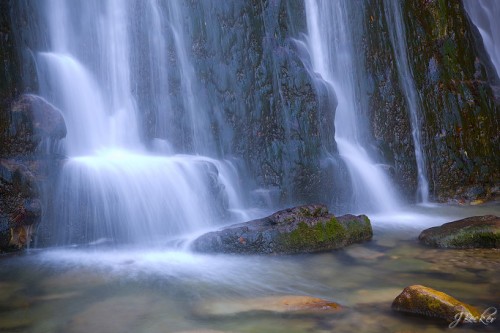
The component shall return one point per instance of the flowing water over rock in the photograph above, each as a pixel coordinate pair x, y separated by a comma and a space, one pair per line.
116, 186
334, 28
398, 40
484, 15
158, 99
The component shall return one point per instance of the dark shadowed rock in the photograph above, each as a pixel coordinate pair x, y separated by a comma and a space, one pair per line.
28, 158
302, 229
33, 121
428, 302
20, 207
472, 232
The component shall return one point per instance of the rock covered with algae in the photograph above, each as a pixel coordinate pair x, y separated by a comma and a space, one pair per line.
472, 232
302, 229
425, 301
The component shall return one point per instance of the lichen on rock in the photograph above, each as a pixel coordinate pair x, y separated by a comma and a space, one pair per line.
428, 302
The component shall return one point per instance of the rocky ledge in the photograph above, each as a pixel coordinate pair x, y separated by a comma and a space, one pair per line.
302, 229
472, 232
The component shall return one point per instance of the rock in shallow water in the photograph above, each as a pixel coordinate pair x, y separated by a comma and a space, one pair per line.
277, 304
428, 302
302, 229
472, 232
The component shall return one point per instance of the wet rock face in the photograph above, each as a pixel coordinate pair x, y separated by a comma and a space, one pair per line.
28, 158
428, 302
34, 122
20, 207
472, 232
389, 113
262, 103
302, 229
461, 132
461, 124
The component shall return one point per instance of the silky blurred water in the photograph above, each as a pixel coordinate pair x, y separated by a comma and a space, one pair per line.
102, 289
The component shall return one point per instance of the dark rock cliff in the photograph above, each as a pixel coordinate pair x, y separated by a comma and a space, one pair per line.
30, 130
461, 132
263, 104
462, 124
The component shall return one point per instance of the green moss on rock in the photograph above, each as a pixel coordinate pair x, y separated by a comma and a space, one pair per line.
303, 229
472, 232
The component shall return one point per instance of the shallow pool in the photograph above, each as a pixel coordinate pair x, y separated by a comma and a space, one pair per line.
102, 289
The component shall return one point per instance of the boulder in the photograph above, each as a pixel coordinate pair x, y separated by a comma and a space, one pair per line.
34, 122
428, 302
302, 229
277, 304
472, 232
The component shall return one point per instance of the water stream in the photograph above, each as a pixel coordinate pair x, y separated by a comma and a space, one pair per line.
398, 40
484, 15
332, 28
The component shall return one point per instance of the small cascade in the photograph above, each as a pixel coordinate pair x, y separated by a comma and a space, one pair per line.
116, 186
397, 33
331, 26
126, 197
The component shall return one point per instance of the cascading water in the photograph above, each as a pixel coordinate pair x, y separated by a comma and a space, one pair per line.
112, 187
484, 14
396, 30
331, 27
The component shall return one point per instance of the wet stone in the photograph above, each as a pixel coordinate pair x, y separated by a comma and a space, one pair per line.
277, 304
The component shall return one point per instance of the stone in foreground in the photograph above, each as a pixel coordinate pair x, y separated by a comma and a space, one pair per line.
302, 229
428, 302
472, 232
277, 304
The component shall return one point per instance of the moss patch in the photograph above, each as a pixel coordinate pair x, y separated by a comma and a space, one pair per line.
323, 235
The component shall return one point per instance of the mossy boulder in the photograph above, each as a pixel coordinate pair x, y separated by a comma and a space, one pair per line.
428, 302
302, 229
472, 232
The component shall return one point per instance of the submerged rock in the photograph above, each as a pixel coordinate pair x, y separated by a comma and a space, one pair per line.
302, 229
278, 304
428, 302
472, 232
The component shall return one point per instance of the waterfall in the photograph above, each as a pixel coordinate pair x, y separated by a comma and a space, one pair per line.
111, 67
331, 36
485, 16
397, 35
